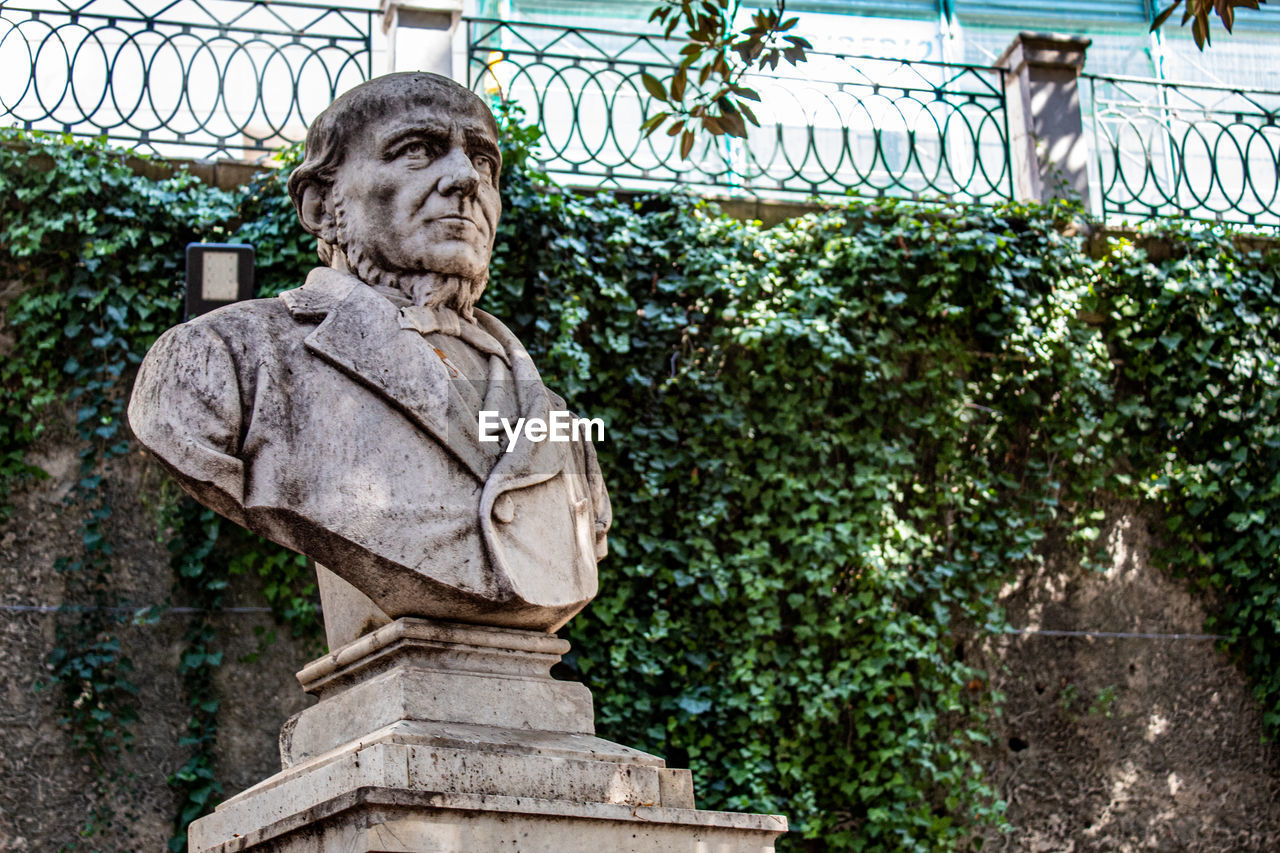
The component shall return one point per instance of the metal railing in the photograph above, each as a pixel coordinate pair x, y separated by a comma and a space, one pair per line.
197, 77
241, 78
1186, 150
834, 126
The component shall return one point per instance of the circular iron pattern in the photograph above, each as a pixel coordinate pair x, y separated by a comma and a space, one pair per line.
837, 125
232, 77
1186, 150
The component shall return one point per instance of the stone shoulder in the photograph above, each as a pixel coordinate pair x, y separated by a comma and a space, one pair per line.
252, 316
248, 330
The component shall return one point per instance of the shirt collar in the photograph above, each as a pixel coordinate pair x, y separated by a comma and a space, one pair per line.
427, 320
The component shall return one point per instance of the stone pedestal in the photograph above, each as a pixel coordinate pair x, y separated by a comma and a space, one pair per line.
433, 736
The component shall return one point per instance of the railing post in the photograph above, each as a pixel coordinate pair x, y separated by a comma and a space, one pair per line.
420, 36
1047, 145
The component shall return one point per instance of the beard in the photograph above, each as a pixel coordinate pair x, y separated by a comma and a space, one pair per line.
426, 287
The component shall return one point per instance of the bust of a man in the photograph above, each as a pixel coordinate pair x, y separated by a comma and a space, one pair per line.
342, 419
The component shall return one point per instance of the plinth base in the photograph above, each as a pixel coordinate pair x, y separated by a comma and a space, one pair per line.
387, 820
448, 738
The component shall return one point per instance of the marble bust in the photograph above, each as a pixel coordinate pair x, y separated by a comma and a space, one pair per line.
340, 419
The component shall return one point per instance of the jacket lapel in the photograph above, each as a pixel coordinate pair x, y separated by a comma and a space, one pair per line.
529, 462
361, 336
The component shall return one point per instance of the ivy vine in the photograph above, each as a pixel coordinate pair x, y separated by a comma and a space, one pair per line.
93, 252
829, 444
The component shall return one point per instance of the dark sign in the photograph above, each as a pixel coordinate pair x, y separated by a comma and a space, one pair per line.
217, 274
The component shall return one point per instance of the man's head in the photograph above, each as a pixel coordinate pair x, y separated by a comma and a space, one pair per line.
400, 185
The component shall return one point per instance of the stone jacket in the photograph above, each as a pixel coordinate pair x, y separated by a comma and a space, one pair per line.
316, 420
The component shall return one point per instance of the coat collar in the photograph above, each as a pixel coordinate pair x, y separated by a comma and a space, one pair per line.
360, 333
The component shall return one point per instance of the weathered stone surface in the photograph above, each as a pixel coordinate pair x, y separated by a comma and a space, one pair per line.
342, 419
434, 645
422, 671
348, 612
403, 749
372, 820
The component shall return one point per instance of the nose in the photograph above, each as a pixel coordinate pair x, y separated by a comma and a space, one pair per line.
458, 173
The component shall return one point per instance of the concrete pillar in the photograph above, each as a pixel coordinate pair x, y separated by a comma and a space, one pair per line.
423, 35
1047, 146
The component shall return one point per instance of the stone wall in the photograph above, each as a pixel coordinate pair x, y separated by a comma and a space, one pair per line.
1125, 743
1106, 744
45, 785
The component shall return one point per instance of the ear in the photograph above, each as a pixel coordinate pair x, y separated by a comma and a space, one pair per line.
316, 212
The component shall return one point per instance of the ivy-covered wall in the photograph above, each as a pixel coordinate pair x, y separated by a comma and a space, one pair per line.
829, 444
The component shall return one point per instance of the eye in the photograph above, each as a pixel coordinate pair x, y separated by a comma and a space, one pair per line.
417, 149
486, 166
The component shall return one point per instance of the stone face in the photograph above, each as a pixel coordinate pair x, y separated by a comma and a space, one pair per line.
342, 419
431, 736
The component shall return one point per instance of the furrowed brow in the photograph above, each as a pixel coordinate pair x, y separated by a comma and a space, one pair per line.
481, 143
427, 132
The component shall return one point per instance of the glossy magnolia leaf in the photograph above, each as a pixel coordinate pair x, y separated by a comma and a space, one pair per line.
1164, 16
731, 120
1196, 12
716, 52
653, 123
653, 85
678, 82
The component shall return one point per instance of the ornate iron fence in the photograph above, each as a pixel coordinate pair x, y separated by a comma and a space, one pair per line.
198, 77
836, 125
1186, 150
